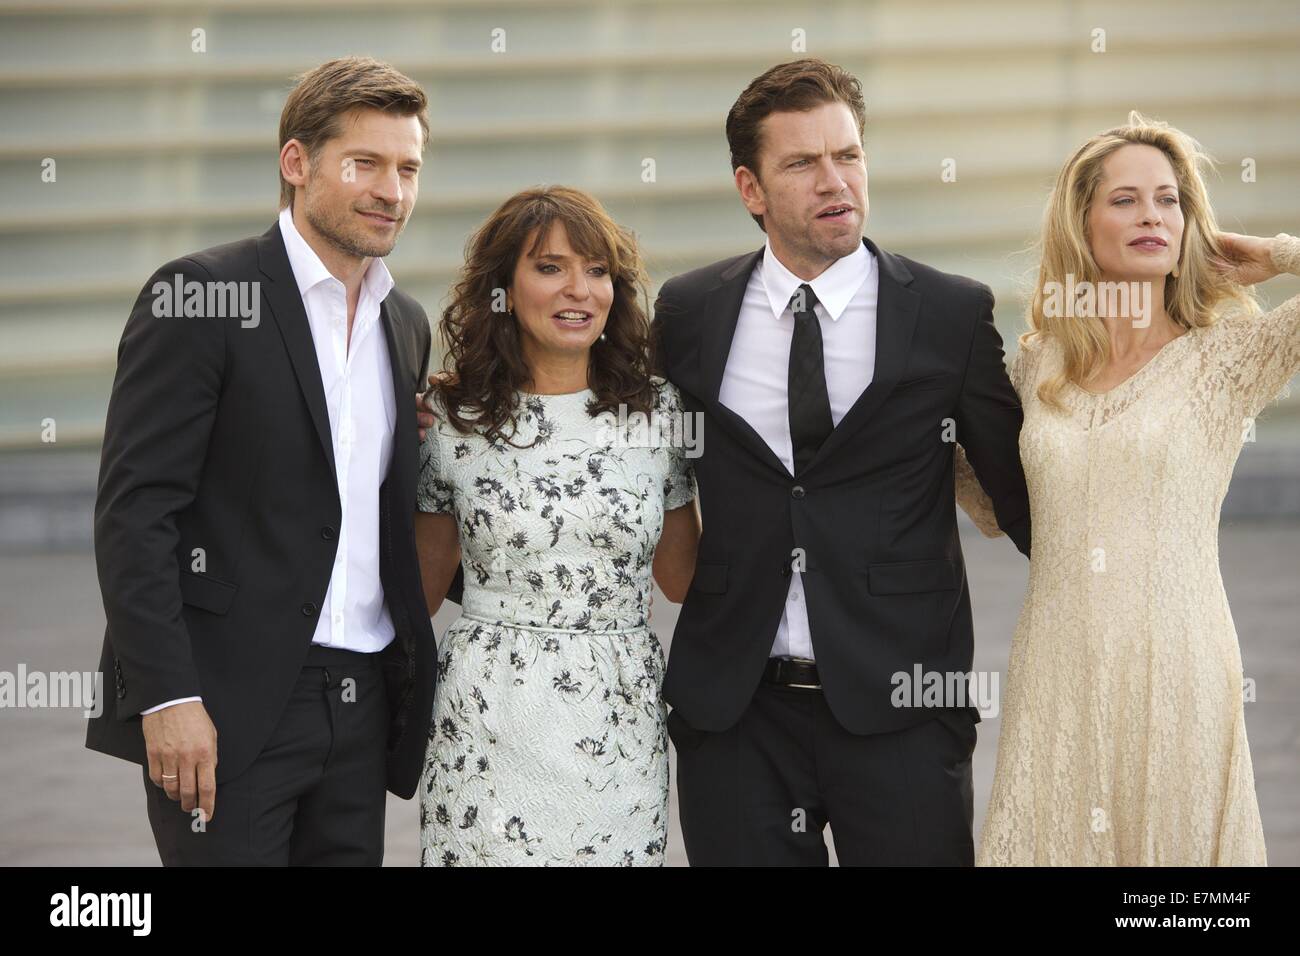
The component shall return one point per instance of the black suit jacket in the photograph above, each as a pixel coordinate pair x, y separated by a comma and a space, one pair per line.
874, 511
218, 439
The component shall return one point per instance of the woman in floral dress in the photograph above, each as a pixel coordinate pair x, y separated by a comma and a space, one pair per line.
556, 472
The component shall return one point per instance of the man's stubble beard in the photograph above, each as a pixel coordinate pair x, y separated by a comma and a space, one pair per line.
346, 237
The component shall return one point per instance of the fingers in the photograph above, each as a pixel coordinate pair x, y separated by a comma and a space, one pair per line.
207, 783
155, 768
171, 780
189, 786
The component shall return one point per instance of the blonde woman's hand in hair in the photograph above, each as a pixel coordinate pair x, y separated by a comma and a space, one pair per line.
1246, 259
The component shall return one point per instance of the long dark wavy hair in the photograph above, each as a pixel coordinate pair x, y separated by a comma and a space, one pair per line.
484, 366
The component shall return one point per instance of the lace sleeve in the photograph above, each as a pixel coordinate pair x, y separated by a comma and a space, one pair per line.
971, 496
1260, 354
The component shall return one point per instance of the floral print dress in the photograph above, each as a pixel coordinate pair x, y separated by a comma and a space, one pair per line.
548, 744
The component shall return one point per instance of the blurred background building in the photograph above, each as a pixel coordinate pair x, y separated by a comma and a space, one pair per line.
163, 141
158, 119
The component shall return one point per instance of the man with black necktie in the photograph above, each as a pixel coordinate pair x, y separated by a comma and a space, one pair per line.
831, 377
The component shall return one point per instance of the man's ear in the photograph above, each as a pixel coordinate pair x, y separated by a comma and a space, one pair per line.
751, 190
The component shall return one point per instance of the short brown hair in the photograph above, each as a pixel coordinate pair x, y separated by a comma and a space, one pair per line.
321, 97
788, 87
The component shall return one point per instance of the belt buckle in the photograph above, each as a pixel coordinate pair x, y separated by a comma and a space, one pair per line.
804, 660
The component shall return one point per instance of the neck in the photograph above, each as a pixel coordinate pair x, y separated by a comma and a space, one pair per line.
806, 267
557, 373
347, 268
1146, 324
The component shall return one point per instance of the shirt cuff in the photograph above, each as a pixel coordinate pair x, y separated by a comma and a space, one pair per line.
178, 700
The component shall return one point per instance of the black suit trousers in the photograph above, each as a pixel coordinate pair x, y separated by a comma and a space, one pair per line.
762, 792
314, 796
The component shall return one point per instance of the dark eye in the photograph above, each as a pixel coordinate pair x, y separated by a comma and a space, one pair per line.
601, 270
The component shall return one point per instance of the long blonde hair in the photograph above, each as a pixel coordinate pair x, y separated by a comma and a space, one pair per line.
1197, 296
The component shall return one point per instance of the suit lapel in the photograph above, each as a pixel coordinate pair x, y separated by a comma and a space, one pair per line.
403, 462
897, 306
722, 309
291, 318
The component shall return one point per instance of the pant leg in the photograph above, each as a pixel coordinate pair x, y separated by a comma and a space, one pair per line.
748, 795
902, 798
253, 819
340, 820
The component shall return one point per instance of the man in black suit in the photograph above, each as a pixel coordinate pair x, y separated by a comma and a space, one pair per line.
832, 378
266, 628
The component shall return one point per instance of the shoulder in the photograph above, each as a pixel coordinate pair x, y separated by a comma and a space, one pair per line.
949, 285
667, 397
1031, 350
228, 260
689, 286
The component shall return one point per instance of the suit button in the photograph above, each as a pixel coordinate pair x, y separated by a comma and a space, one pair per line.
309, 609
327, 533
797, 491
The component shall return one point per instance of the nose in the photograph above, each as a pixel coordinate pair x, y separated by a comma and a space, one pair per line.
829, 179
577, 286
1151, 215
387, 188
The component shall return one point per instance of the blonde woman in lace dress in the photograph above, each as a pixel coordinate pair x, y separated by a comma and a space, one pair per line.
1123, 738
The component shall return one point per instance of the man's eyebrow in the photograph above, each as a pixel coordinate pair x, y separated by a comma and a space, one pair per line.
371, 154
852, 147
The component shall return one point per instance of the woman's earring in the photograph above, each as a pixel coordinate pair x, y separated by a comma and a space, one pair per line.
602, 336
1174, 271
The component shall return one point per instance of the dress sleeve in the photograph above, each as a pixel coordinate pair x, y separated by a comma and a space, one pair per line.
1021, 371
679, 482
971, 496
433, 492
1260, 354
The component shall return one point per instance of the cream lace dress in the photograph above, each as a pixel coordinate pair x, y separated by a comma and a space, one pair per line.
1123, 737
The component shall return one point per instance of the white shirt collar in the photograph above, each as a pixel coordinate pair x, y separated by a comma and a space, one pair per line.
834, 288
309, 271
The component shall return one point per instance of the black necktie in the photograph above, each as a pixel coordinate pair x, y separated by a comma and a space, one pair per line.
810, 405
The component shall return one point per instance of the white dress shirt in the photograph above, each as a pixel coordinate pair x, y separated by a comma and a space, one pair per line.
754, 382
358, 381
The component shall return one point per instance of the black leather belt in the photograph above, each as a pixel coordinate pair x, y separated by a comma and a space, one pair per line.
792, 672
319, 655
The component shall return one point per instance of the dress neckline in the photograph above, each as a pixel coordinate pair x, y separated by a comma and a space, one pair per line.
585, 391
1114, 389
